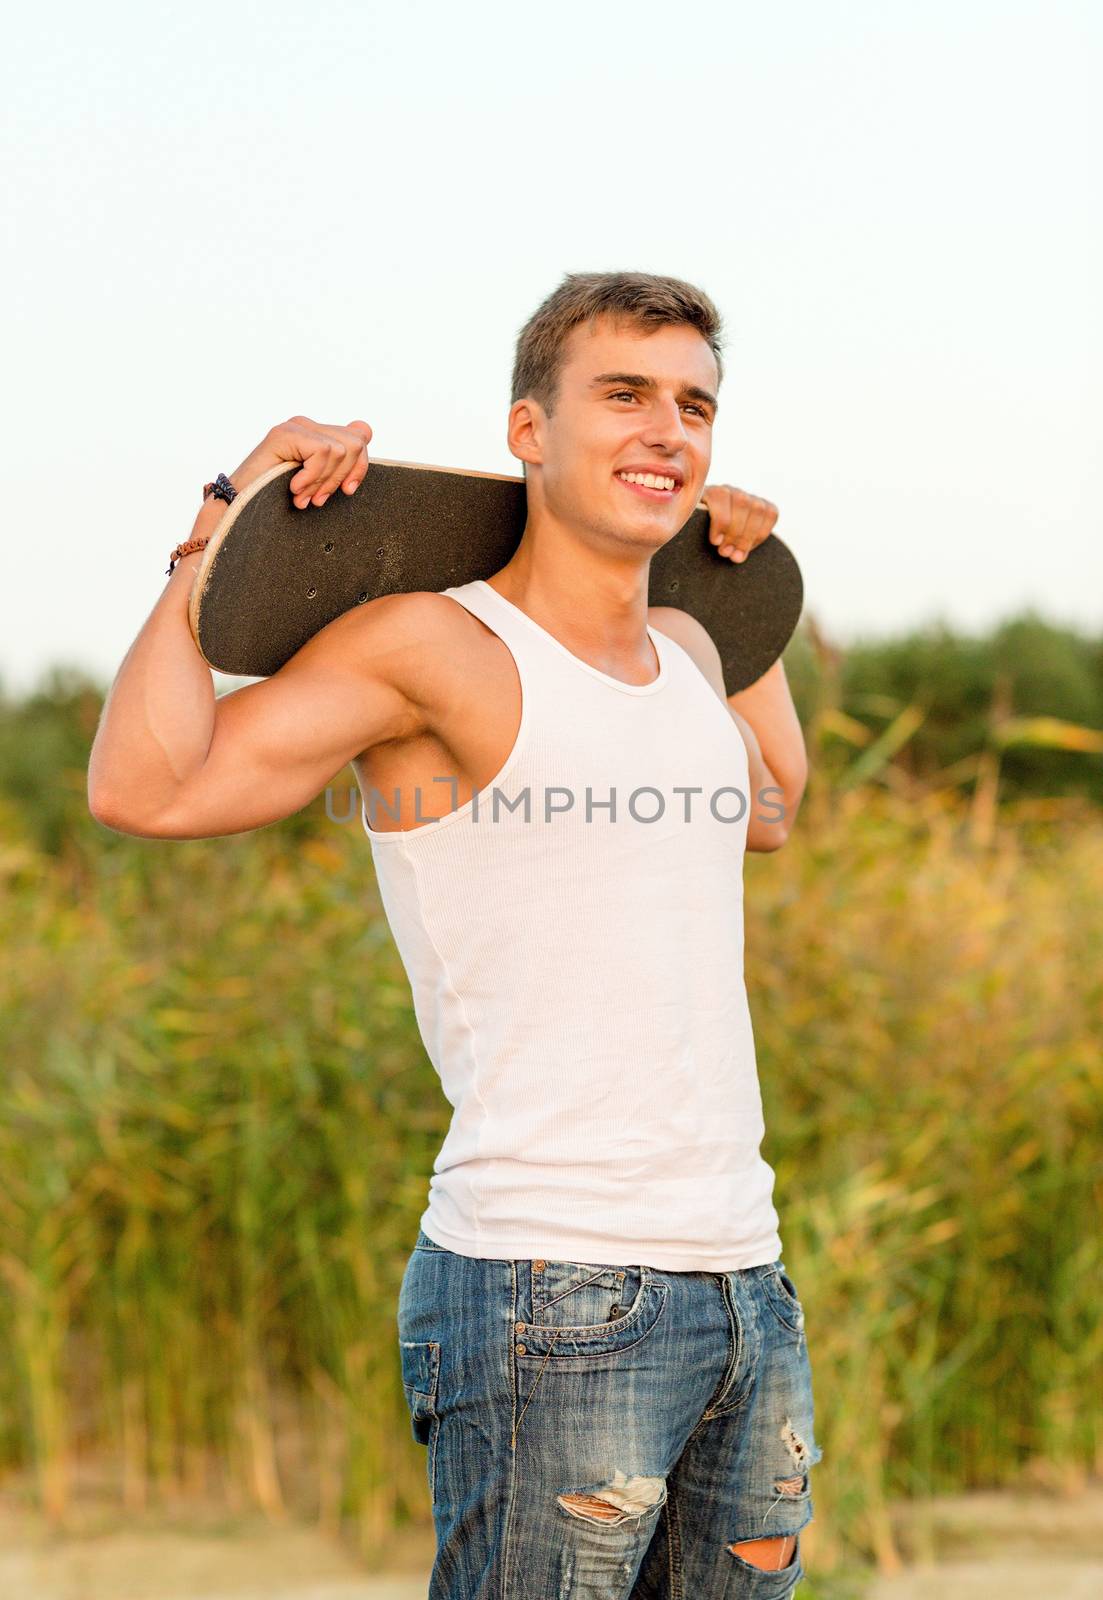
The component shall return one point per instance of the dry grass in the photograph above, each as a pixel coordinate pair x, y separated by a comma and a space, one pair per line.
217, 1122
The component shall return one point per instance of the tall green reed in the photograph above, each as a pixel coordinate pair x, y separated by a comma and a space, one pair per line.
217, 1123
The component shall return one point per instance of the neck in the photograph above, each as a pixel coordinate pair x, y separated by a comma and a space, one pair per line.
594, 605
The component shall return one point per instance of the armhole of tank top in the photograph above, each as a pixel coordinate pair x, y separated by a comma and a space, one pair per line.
436, 824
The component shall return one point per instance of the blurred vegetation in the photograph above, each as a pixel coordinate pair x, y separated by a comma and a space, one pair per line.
217, 1120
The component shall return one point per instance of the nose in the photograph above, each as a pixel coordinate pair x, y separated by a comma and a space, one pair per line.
664, 428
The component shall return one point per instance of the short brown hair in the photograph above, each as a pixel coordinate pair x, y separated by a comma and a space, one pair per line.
645, 298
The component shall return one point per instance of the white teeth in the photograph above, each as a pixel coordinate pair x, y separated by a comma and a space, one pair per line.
648, 479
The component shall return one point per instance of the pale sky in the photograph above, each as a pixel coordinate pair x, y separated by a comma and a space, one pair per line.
221, 215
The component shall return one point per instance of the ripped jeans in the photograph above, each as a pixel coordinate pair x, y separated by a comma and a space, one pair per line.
607, 1432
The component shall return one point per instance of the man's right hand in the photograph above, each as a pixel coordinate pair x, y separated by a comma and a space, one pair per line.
331, 458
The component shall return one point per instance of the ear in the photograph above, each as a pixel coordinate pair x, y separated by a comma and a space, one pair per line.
525, 431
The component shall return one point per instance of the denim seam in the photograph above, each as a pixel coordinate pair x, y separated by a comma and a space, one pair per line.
674, 1541
434, 1440
735, 1351
751, 1377
514, 1313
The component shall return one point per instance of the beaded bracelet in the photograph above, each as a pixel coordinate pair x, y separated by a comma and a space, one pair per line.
220, 489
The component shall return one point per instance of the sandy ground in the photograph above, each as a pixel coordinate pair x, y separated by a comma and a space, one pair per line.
1004, 1545
1013, 1546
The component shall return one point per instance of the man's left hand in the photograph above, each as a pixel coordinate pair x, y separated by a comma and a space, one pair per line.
738, 521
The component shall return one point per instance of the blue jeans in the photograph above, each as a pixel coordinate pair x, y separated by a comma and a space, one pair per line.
607, 1432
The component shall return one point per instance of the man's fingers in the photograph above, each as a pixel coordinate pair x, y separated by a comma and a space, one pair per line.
339, 458
751, 520
334, 469
359, 467
760, 524
718, 498
318, 469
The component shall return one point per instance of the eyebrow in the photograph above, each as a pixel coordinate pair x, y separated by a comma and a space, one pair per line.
637, 380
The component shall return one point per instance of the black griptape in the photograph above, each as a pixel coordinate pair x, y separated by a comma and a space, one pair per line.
273, 575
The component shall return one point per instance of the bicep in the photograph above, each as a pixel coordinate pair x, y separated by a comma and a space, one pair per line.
277, 743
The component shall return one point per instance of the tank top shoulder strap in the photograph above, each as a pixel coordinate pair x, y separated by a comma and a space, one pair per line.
485, 603
520, 634
546, 656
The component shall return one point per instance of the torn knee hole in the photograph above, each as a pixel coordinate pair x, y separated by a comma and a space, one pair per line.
771, 1554
624, 1497
588, 1505
789, 1485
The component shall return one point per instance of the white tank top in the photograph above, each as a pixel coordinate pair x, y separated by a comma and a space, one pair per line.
576, 964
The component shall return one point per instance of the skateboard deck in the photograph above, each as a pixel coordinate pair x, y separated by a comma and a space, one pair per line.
272, 576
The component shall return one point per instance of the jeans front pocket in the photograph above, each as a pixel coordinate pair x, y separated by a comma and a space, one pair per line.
781, 1292
577, 1295
586, 1308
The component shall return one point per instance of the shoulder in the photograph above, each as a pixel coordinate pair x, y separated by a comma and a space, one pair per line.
391, 627
695, 640
409, 641
413, 610
416, 617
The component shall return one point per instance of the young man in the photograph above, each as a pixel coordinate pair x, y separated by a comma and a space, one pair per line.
599, 1343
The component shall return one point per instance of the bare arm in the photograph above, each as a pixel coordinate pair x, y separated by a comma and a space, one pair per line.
275, 744
158, 719
172, 760
766, 717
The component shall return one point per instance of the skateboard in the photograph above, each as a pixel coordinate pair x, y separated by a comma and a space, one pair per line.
272, 576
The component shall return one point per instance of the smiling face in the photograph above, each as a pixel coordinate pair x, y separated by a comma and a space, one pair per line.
629, 401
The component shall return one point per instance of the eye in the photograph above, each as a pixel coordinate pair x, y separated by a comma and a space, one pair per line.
628, 394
